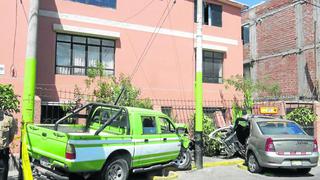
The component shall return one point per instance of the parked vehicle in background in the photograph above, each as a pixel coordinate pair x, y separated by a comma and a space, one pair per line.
108, 142
279, 143
269, 142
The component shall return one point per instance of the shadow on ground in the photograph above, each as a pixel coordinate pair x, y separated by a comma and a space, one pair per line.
284, 173
148, 175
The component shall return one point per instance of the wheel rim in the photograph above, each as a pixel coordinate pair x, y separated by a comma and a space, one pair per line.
252, 164
182, 159
115, 172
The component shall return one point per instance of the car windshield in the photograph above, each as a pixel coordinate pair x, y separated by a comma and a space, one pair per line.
280, 128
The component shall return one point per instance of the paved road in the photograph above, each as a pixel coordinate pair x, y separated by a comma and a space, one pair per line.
233, 172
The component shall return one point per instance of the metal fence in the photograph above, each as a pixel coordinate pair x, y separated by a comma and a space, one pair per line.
54, 103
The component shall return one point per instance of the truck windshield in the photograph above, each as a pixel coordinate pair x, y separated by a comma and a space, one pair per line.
280, 128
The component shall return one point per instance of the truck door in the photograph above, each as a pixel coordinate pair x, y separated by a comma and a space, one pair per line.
170, 141
148, 144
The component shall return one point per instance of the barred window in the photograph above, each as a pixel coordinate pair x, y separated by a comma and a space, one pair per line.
76, 54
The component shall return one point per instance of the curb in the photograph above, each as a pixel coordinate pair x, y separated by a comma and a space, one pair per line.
221, 163
174, 175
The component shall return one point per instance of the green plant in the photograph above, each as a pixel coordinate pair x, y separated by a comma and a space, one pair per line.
303, 116
236, 112
106, 89
66, 107
247, 87
210, 146
9, 102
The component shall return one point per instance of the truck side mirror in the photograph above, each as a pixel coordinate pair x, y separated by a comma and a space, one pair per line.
181, 130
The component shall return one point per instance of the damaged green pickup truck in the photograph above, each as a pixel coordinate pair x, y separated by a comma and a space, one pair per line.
107, 142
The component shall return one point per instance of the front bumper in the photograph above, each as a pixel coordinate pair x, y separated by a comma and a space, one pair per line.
273, 160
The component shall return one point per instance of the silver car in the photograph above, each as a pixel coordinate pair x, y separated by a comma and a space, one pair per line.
279, 143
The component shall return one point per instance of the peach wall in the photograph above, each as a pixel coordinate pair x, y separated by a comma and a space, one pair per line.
167, 71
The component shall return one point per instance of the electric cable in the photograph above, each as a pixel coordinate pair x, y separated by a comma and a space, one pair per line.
139, 12
180, 80
152, 37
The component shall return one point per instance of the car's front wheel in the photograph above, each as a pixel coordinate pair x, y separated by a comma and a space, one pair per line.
253, 164
304, 170
116, 169
183, 162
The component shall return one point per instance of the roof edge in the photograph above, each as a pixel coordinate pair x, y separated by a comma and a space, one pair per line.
235, 3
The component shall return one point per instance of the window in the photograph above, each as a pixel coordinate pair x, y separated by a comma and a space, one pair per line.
102, 115
166, 110
166, 126
212, 67
245, 34
103, 3
149, 125
212, 14
76, 54
51, 113
280, 128
216, 15
247, 71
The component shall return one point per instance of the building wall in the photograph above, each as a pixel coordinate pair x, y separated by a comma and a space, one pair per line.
167, 71
284, 43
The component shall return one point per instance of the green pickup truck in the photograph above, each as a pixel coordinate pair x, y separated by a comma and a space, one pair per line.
107, 142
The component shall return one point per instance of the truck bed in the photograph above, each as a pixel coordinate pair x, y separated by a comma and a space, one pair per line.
46, 144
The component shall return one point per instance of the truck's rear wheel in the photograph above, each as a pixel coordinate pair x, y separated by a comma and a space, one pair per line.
183, 162
116, 169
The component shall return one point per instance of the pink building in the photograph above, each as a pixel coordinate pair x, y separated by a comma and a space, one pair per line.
74, 34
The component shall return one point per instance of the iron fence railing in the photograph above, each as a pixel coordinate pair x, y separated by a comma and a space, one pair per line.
54, 104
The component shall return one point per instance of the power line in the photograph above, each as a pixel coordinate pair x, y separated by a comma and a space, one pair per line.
140, 11
153, 37
180, 79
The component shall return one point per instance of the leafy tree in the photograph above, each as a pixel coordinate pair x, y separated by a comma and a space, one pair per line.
9, 102
106, 89
247, 87
302, 115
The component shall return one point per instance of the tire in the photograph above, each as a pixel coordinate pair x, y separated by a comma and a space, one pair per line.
253, 164
304, 170
183, 162
115, 169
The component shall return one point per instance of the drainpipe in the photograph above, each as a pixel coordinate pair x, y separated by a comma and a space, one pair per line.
198, 91
29, 85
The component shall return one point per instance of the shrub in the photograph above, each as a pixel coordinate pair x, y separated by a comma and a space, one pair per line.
9, 102
303, 116
210, 146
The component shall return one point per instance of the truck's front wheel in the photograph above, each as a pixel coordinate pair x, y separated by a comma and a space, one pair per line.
116, 169
183, 162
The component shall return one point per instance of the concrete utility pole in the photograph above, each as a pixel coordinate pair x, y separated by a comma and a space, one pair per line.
29, 84
198, 91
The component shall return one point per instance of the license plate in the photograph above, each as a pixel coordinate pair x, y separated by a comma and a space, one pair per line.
296, 163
